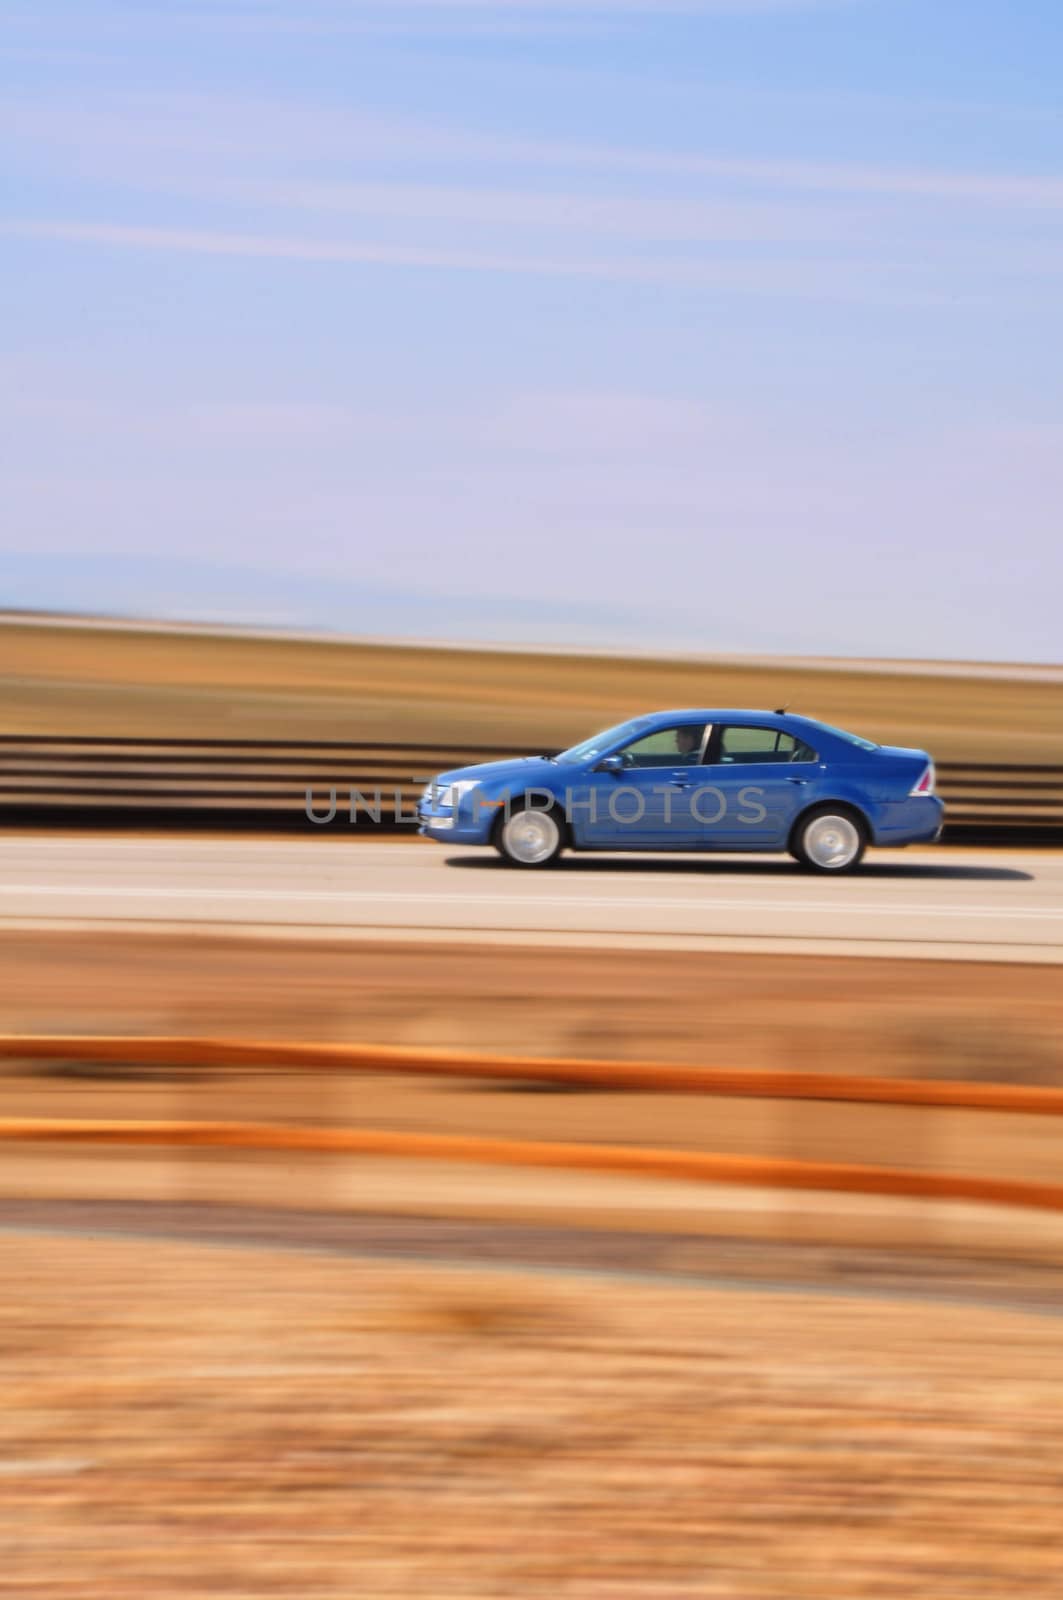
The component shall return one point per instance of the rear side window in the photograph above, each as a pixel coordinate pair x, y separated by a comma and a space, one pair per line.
739, 745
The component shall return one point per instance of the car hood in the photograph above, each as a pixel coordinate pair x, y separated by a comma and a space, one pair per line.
518, 770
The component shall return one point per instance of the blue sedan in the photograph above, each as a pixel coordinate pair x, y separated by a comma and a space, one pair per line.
695, 780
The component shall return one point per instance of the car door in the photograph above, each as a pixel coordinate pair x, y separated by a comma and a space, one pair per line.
645, 803
759, 778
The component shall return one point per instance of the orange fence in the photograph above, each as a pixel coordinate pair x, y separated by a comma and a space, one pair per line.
684, 1165
631, 1076
689, 1166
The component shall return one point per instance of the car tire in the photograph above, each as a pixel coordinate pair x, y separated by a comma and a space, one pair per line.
830, 839
529, 837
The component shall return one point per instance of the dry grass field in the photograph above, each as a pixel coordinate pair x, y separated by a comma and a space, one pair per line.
136, 681
805, 1013
202, 1422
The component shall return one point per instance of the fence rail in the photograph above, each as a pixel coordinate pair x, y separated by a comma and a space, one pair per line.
167, 1052
685, 1165
264, 783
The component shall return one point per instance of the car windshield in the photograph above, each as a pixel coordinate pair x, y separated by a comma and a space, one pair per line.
600, 742
850, 738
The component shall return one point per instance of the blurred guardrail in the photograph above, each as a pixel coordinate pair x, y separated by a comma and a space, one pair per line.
573, 1073
687, 1165
265, 783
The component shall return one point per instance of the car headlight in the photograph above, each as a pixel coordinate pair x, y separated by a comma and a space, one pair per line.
452, 794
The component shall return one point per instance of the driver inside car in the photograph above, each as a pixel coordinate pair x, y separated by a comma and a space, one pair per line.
688, 743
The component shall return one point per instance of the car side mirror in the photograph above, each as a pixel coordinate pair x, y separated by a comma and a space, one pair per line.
611, 764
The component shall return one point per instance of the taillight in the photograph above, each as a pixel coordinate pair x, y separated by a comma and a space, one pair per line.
926, 782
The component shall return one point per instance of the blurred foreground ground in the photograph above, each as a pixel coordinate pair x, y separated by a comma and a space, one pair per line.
257, 1375
190, 1421
999, 1021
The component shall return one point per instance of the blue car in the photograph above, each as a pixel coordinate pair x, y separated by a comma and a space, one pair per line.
694, 780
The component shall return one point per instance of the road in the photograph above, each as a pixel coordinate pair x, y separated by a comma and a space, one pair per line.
954, 904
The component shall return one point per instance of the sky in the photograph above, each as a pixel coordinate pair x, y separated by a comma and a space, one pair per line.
690, 325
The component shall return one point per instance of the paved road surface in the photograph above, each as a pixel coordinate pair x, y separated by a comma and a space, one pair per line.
944, 902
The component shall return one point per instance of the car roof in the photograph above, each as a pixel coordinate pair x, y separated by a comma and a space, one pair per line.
731, 714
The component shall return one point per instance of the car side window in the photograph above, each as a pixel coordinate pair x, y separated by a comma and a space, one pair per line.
747, 745
682, 745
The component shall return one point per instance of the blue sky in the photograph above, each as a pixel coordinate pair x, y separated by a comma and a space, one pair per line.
693, 324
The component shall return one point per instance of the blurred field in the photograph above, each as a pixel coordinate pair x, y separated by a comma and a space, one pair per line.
811, 1013
173, 683
998, 1023
202, 1422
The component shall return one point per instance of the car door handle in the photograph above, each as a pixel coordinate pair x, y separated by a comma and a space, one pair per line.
797, 780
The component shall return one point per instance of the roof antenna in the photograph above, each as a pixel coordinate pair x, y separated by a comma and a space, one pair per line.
780, 711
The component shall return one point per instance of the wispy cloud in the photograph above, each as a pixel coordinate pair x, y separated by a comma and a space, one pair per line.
829, 177
499, 18
892, 283
709, 217
520, 210
129, 138
322, 13
517, 7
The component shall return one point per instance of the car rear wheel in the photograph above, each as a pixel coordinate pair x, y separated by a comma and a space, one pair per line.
830, 839
529, 838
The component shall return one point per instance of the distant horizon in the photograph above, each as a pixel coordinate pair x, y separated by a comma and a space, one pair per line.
213, 628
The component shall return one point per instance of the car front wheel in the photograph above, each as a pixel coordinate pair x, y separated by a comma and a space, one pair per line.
529, 839
829, 840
